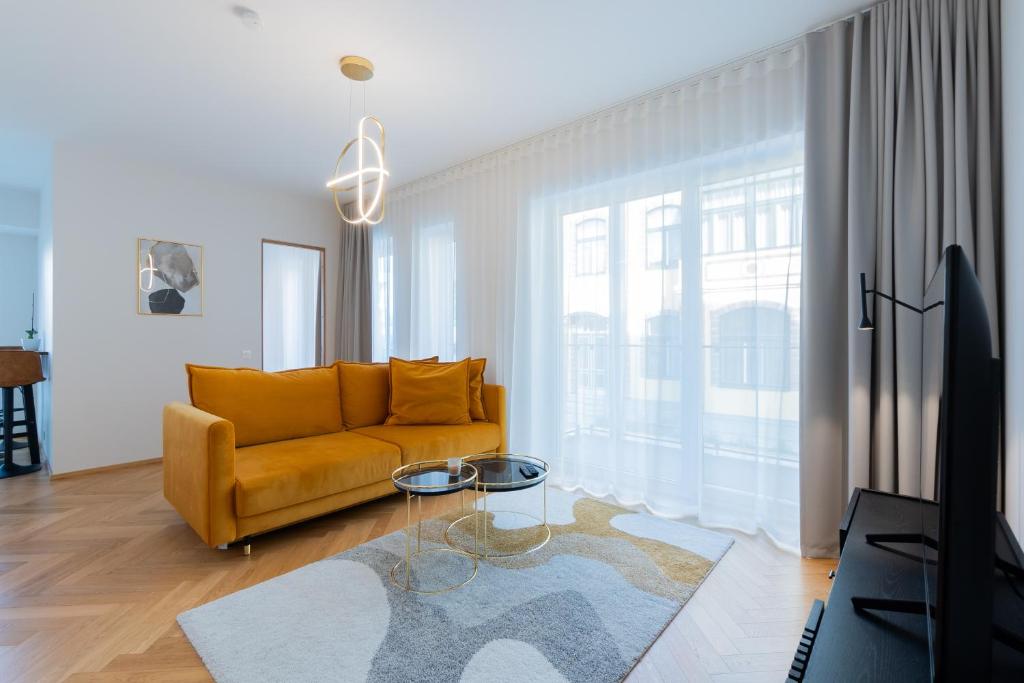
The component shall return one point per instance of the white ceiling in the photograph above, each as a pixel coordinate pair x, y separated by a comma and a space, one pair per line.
186, 81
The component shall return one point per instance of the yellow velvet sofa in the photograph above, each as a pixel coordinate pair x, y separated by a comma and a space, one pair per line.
256, 450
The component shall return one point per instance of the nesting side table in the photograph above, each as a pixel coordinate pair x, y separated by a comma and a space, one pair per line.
431, 478
498, 472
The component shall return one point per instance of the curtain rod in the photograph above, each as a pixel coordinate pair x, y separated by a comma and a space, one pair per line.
848, 17
736, 64
668, 89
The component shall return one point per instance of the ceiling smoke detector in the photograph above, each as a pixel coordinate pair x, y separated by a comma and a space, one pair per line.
248, 16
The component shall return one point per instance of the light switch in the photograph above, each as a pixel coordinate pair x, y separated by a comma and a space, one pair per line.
246, 354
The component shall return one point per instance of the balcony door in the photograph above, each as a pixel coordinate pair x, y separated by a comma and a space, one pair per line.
292, 305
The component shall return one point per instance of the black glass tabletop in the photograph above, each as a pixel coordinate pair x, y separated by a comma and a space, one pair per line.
425, 479
509, 472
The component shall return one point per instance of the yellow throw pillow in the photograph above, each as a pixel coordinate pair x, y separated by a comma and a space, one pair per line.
268, 406
429, 393
365, 391
476, 388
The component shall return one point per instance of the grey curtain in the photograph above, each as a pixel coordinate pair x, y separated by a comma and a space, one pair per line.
903, 157
355, 299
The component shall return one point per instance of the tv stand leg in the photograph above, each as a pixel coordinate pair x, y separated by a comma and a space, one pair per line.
927, 541
889, 605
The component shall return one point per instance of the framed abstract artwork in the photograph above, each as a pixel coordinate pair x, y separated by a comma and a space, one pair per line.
169, 277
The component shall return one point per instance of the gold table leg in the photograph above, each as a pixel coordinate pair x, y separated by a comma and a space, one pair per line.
485, 521
545, 485
408, 534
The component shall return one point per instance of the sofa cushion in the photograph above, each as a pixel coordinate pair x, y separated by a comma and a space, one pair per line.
476, 388
365, 392
268, 406
437, 442
429, 393
275, 475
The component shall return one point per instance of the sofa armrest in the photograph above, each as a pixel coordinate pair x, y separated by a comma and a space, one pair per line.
199, 471
494, 408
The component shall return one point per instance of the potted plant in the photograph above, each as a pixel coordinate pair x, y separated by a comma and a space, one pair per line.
31, 341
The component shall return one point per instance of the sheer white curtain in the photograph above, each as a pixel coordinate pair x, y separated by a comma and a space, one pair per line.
292, 301
633, 279
434, 292
383, 294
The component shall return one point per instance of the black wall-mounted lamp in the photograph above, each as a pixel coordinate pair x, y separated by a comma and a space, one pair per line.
865, 321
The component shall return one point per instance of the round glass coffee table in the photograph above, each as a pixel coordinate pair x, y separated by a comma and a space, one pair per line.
503, 472
431, 478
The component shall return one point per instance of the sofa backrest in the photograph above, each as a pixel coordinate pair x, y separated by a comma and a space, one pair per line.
269, 406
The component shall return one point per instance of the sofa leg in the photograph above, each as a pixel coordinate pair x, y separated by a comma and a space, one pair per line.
222, 546
246, 547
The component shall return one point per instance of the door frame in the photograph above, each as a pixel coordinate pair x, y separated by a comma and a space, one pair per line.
321, 313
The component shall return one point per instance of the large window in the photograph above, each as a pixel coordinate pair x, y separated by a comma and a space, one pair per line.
585, 245
680, 315
625, 371
750, 289
593, 264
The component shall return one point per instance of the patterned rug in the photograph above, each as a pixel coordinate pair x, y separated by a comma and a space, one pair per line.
584, 607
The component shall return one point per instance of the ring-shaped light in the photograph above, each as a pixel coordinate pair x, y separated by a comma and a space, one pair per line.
368, 204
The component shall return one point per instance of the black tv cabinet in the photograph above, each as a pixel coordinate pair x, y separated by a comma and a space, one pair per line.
841, 643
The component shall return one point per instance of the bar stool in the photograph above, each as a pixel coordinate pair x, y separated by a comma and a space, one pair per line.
19, 370
19, 443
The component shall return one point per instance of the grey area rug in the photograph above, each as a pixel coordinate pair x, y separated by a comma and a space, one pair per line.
585, 607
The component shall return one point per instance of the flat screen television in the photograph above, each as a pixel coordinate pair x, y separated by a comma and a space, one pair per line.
961, 385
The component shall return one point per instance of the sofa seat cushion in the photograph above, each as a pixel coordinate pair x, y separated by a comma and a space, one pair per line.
275, 475
437, 442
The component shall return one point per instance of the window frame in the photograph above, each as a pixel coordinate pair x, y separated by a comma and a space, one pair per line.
663, 232
580, 242
749, 210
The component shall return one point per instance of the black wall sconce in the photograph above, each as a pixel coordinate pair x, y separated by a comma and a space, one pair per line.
865, 321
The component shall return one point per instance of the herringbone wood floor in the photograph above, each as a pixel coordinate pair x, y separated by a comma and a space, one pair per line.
94, 569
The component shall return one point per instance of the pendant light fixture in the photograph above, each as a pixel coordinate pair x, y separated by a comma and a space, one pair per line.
359, 173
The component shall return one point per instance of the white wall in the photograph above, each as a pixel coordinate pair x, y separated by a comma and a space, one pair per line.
19, 209
1013, 256
112, 369
17, 283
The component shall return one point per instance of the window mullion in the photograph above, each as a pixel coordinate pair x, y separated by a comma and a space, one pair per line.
618, 348
692, 349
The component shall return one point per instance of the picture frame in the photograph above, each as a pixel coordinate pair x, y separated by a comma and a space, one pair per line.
169, 278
